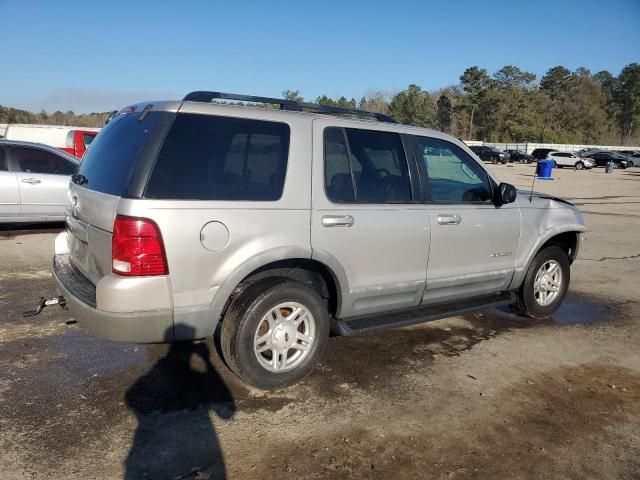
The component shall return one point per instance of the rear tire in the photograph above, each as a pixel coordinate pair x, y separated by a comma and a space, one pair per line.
545, 285
262, 345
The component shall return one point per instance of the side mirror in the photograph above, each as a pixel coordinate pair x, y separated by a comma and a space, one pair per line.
507, 193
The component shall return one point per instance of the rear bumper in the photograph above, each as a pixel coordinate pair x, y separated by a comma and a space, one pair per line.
80, 294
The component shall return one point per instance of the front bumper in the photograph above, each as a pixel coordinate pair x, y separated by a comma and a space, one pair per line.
80, 295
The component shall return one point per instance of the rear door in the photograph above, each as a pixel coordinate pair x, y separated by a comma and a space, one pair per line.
9, 193
43, 179
473, 242
367, 221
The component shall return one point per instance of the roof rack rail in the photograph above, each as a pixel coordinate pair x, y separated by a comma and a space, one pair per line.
207, 97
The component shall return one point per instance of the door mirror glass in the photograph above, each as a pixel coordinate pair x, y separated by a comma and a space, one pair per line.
507, 193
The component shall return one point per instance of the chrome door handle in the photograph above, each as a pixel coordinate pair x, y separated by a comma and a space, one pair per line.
448, 219
31, 181
337, 221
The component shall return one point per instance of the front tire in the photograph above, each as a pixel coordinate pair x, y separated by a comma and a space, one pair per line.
579, 165
274, 332
545, 284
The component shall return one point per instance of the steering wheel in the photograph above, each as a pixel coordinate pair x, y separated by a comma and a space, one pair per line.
385, 171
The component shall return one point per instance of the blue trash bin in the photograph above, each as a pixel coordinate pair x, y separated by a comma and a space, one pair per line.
544, 169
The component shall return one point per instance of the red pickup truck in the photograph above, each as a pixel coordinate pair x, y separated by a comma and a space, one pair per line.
73, 140
78, 141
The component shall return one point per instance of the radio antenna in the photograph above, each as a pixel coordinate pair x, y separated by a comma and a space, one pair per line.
534, 181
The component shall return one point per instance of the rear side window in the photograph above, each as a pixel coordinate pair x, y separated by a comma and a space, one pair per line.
208, 157
337, 173
108, 165
367, 165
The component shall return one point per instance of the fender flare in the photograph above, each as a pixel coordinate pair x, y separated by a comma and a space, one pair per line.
521, 270
224, 291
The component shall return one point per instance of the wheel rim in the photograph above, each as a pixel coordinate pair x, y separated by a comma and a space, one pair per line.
284, 337
548, 283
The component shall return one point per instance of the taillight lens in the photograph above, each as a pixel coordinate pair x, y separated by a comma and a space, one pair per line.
137, 248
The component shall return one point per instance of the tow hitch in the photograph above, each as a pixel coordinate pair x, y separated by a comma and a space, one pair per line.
45, 302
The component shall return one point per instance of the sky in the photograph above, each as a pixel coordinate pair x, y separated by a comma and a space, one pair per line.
98, 56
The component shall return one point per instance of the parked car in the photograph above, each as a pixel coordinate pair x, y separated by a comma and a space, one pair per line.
490, 154
630, 153
73, 140
542, 153
284, 225
33, 182
632, 161
568, 159
602, 158
518, 156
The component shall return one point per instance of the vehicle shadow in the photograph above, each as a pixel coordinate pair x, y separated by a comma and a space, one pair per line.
172, 403
10, 229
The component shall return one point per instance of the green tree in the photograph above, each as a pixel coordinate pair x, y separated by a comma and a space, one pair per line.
555, 82
412, 107
475, 82
342, 102
293, 95
510, 77
443, 113
627, 98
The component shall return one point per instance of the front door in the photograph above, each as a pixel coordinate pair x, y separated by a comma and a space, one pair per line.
473, 242
9, 193
43, 179
366, 222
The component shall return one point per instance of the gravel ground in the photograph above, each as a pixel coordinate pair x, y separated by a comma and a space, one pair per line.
484, 396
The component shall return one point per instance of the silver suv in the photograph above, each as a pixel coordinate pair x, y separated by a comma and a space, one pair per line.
285, 225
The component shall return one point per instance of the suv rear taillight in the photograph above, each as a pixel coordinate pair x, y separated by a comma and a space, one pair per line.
137, 248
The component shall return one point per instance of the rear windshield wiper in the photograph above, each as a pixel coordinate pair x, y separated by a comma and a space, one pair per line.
79, 179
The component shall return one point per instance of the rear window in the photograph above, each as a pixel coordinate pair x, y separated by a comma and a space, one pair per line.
87, 138
208, 157
109, 164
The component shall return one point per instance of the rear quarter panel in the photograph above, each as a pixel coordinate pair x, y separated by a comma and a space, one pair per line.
259, 232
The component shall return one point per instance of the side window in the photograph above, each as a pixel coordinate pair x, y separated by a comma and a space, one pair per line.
452, 176
208, 157
34, 160
374, 160
87, 139
379, 166
3, 161
337, 175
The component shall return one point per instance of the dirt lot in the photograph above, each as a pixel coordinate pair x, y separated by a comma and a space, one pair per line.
484, 396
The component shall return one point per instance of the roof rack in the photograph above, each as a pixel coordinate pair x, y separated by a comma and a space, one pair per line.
207, 97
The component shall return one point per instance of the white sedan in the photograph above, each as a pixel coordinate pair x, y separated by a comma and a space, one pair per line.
568, 159
34, 179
